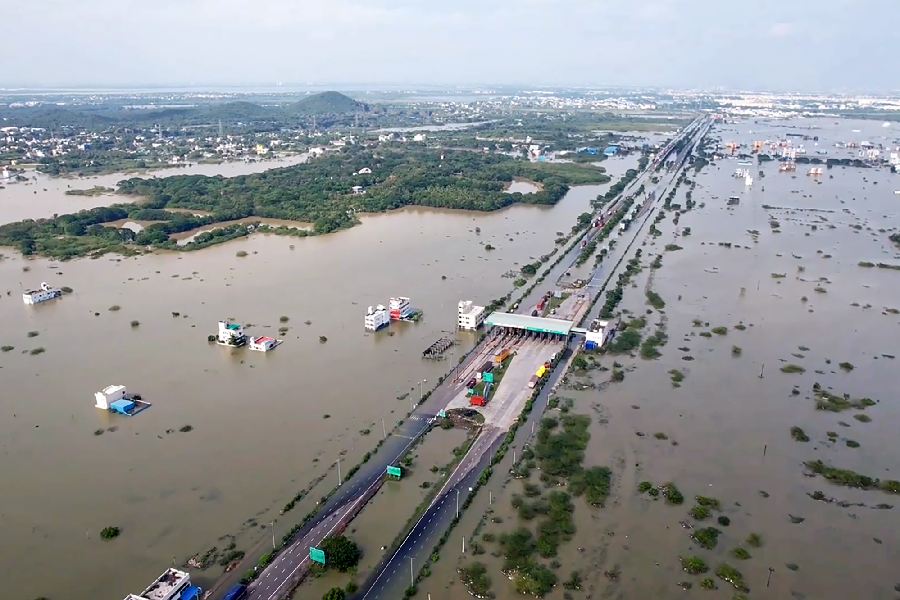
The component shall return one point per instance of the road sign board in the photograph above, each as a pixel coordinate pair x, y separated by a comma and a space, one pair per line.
394, 472
488, 377
317, 555
442, 413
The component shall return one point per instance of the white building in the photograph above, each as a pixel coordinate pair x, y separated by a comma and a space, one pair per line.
419, 137
110, 394
171, 585
469, 315
400, 308
41, 295
365, 171
376, 318
231, 334
597, 334
263, 343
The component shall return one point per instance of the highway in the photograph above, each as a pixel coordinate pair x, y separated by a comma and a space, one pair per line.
397, 572
278, 579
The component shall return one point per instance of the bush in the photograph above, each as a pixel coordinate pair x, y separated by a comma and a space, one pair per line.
755, 540
655, 300
335, 593
792, 368
341, 552
135, 323
476, 579
108, 533
707, 537
740, 553
699, 512
719, 330
798, 434
728, 573
693, 565
672, 494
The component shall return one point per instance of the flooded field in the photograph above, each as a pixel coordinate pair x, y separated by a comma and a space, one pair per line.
232, 435
43, 196
762, 301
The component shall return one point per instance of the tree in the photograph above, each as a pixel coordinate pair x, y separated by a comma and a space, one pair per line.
335, 593
341, 552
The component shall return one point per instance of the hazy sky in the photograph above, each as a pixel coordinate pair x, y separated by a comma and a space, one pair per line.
842, 45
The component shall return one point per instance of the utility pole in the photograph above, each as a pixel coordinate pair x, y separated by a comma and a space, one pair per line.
339, 471
412, 579
464, 544
490, 497
273, 533
761, 369
457, 503
383, 428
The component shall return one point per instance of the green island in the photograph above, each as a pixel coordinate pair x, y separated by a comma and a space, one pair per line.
328, 192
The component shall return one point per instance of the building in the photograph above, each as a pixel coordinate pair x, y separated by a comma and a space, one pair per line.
263, 343
365, 171
109, 395
171, 585
44, 293
376, 318
231, 334
524, 325
597, 334
400, 308
611, 150
469, 316
125, 406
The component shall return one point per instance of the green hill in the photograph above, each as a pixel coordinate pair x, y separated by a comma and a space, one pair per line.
328, 103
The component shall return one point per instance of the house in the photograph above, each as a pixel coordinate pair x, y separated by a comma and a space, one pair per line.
263, 343
231, 334
110, 395
42, 294
357, 190
469, 316
364, 171
419, 137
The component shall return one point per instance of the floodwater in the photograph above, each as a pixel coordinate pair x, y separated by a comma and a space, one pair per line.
726, 429
263, 425
186, 237
523, 186
43, 196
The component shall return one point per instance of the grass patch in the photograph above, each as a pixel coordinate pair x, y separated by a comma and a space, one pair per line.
699, 512
672, 247
693, 565
720, 330
655, 300
825, 400
755, 540
736, 351
625, 341
649, 346
792, 368
740, 553
729, 574
798, 435
706, 537
676, 376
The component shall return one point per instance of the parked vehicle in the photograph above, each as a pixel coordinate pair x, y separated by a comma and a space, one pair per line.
237, 592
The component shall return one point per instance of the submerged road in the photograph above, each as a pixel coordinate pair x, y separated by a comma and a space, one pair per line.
278, 579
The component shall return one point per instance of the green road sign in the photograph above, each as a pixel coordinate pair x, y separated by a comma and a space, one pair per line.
442, 413
488, 377
394, 472
317, 555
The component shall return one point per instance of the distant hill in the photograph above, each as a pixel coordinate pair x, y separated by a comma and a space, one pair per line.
328, 103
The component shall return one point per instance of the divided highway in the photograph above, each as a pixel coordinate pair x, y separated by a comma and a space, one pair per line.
279, 578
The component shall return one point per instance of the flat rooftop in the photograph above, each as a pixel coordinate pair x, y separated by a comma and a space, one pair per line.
527, 323
166, 584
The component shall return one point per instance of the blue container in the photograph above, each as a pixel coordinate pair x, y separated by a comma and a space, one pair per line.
590, 345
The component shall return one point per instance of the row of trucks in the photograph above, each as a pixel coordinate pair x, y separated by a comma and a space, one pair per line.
486, 375
538, 375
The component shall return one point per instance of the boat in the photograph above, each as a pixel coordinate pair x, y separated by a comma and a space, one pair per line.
377, 318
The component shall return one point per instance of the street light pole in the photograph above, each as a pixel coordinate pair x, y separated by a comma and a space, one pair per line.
339, 471
457, 503
273, 533
383, 428
412, 579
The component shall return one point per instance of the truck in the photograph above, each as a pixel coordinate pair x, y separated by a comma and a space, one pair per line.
477, 401
541, 371
236, 592
501, 356
533, 381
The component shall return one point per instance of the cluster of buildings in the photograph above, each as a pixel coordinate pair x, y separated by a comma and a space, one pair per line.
232, 334
398, 309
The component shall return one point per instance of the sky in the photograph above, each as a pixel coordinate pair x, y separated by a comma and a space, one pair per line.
779, 45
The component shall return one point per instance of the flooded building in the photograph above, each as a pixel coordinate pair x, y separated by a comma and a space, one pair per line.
42, 294
469, 315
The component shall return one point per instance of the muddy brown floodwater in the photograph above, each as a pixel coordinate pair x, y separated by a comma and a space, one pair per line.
263, 425
725, 432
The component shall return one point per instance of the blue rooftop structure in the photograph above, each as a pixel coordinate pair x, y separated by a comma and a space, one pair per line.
611, 150
123, 406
